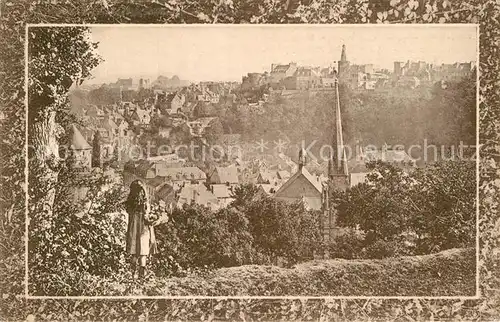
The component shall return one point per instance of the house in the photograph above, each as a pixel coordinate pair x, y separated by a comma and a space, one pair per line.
198, 126
122, 127
303, 78
164, 131
154, 185
224, 175
398, 158
108, 129
357, 174
302, 186
267, 177
203, 94
175, 176
280, 72
266, 189
223, 193
141, 117
181, 175
197, 194
171, 160
170, 103
166, 195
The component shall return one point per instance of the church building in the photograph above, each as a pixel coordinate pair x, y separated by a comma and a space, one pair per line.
302, 186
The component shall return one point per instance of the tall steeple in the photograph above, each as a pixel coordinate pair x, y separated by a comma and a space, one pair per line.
340, 136
337, 165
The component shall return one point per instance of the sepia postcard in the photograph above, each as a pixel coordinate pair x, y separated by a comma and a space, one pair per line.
252, 161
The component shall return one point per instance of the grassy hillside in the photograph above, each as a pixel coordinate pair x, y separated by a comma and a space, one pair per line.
450, 272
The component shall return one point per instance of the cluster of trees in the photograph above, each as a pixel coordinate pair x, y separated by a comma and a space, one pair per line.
394, 213
441, 115
110, 94
254, 229
427, 210
84, 236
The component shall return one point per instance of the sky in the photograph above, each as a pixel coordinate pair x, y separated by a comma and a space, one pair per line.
227, 52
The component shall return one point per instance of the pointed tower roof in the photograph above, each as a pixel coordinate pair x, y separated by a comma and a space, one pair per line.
77, 141
343, 56
340, 153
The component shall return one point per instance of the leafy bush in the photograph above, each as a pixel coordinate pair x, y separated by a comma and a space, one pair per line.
380, 249
283, 230
432, 207
196, 238
81, 235
348, 245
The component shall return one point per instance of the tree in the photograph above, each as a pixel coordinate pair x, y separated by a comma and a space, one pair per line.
443, 198
83, 238
243, 195
57, 57
283, 230
96, 150
104, 95
196, 237
378, 207
203, 109
214, 132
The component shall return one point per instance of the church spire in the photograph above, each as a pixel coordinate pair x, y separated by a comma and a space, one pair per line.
340, 166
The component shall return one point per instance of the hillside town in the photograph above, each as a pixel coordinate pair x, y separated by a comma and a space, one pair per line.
174, 112
224, 166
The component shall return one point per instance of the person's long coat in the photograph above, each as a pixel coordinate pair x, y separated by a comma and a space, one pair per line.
140, 236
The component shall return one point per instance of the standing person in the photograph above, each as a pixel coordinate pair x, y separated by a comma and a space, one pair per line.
140, 232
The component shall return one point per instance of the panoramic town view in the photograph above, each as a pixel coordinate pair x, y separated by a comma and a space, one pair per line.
252, 161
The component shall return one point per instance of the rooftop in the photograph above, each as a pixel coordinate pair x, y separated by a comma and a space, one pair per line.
77, 141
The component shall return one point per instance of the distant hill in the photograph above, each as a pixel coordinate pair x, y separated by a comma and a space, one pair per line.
166, 82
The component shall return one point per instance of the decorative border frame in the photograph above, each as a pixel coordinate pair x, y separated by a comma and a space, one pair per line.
14, 15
